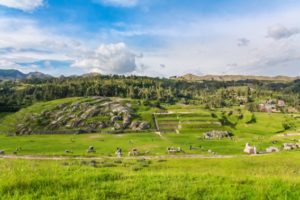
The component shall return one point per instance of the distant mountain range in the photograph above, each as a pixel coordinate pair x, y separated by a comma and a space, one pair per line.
12, 74
192, 77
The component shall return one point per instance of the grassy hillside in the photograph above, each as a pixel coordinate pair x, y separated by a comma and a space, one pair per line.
182, 126
70, 115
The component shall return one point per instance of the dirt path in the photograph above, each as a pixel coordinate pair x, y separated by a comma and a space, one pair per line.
288, 135
58, 158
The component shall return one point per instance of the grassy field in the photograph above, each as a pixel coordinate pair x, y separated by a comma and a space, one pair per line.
220, 171
182, 127
273, 177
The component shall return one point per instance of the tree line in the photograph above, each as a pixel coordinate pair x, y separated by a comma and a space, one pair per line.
21, 93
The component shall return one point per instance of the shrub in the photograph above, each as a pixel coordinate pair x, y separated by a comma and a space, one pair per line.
252, 120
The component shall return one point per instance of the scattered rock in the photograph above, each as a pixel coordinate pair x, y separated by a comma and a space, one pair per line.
272, 150
91, 149
144, 125
127, 120
133, 152
118, 126
171, 150
101, 125
2, 152
291, 146
84, 115
61, 106
217, 134
137, 125
113, 119
250, 149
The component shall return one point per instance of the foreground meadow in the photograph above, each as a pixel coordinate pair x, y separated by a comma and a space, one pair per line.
274, 176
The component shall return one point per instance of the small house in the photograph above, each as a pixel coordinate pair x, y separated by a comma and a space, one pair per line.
281, 103
250, 149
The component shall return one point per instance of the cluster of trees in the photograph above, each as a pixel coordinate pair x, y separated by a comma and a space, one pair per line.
16, 94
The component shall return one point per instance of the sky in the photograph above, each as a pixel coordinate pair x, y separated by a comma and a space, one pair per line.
160, 38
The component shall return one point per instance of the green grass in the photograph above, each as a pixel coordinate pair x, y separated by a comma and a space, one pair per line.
270, 177
194, 121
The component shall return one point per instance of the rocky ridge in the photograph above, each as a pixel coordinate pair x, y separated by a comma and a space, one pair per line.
88, 116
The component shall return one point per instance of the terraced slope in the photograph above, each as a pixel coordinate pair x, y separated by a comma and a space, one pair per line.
198, 122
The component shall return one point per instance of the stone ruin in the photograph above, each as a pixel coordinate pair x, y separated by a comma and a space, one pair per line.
290, 146
250, 149
217, 134
134, 152
171, 150
82, 117
272, 150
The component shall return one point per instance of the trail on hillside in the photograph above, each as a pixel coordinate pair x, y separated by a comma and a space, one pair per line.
59, 158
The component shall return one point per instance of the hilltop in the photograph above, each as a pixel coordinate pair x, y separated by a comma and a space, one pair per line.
192, 77
12, 74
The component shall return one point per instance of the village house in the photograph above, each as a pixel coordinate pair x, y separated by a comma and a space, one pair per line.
281, 103
271, 106
292, 110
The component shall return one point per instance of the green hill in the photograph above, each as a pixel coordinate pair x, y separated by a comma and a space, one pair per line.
77, 115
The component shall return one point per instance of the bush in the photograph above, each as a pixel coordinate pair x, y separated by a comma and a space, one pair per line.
214, 115
252, 120
288, 124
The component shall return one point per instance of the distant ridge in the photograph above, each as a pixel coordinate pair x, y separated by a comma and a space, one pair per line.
12, 74
92, 74
192, 77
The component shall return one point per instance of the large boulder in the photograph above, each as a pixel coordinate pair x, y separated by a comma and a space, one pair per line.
144, 126
75, 123
91, 112
272, 149
137, 125
127, 120
61, 106
115, 118
23, 130
118, 126
101, 125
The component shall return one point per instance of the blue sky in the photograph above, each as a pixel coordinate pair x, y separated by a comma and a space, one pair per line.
151, 37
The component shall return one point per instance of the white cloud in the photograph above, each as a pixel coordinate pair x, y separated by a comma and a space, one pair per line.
209, 45
23, 43
109, 59
120, 3
25, 5
280, 32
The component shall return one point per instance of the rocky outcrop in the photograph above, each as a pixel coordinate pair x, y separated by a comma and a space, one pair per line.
85, 115
138, 125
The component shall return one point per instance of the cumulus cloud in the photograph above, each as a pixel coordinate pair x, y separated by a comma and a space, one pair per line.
25, 5
279, 32
24, 45
242, 42
119, 3
109, 59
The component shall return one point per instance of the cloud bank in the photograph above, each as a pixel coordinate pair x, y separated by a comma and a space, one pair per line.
25, 5
279, 32
109, 59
